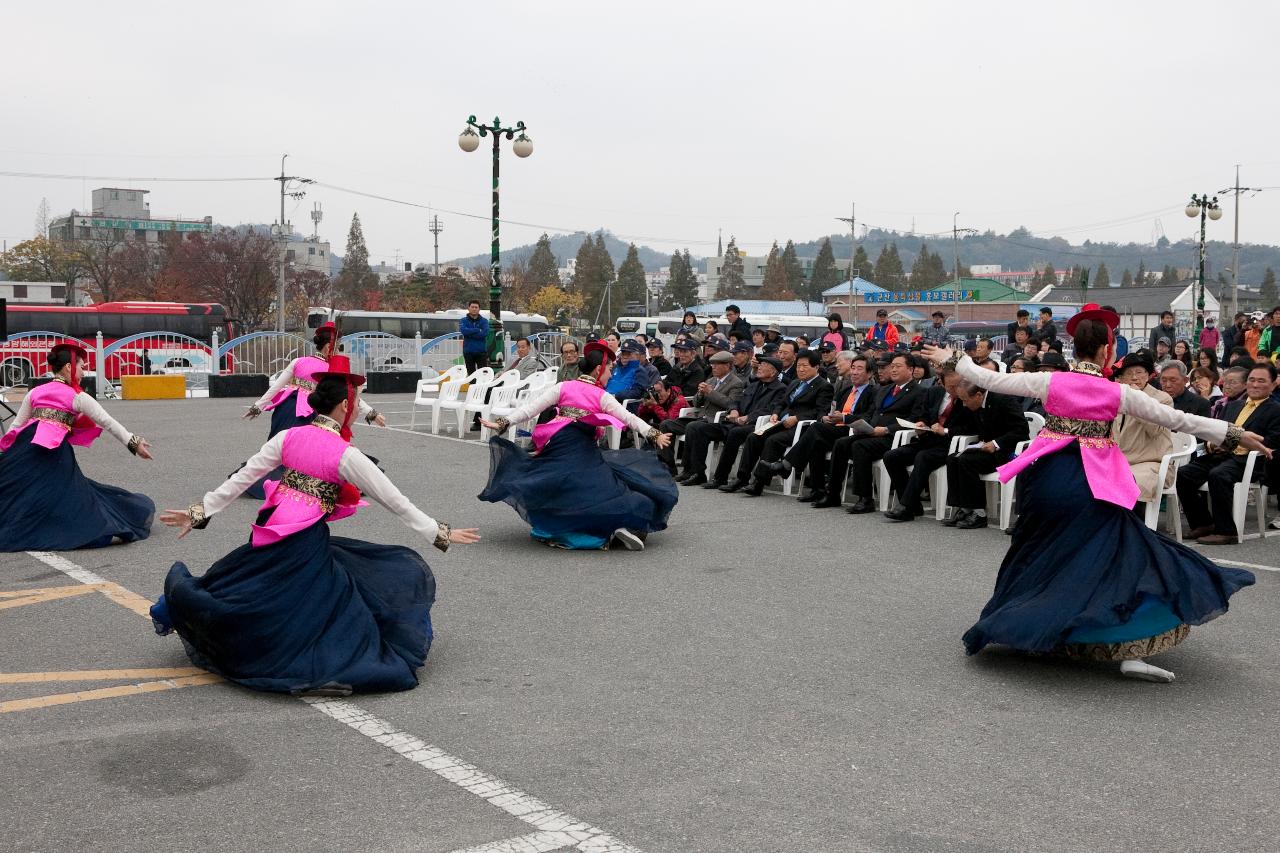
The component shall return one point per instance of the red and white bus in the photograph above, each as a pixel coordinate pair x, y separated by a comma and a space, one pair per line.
171, 322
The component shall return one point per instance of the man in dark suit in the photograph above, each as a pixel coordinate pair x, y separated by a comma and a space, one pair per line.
1001, 425
901, 398
854, 395
687, 373
1173, 381
719, 392
945, 416
1222, 469
807, 399
787, 355
764, 396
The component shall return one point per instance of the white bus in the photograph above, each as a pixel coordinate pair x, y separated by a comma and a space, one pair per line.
405, 324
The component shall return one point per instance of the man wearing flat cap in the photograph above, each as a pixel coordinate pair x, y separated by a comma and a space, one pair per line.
763, 397
687, 372
719, 392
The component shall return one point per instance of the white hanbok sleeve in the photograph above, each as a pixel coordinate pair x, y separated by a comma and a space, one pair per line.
91, 408
359, 470
535, 406
285, 377
610, 406
1141, 406
1018, 384
260, 464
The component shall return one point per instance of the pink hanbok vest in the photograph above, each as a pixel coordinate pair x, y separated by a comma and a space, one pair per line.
304, 382
300, 501
55, 419
1081, 408
579, 401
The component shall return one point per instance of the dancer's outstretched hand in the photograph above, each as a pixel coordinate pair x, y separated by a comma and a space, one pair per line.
1253, 441
144, 449
490, 425
938, 355
464, 535
663, 439
379, 420
253, 412
177, 518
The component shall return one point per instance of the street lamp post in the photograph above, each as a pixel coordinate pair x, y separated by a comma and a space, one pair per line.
1202, 206
469, 141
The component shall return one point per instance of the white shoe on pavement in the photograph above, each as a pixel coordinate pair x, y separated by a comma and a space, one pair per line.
628, 540
1145, 671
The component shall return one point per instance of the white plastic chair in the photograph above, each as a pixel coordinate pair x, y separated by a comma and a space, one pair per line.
1005, 491
443, 386
938, 477
476, 390
1240, 500
883, 484
1184, 445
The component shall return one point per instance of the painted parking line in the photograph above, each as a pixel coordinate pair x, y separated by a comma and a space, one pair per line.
115, 592
569, 831
551, 825
1247, 565
98, 674
23, 597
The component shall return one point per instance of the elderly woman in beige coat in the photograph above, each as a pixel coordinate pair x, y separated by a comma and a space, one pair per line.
1143, 444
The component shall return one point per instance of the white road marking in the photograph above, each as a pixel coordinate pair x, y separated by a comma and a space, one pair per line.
1247, 565
514, 802
555, 830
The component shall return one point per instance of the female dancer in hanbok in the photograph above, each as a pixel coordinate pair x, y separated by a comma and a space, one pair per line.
571, 493
1084, 576
287, 401
297, 610
46, 503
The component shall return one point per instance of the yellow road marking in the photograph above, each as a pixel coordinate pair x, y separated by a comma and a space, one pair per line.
107, 692
98, 674
126, 599
22, 597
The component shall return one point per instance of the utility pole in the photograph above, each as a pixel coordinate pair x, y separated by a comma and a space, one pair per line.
955, 250
435, 228
282, 235
853, 291
1235, 248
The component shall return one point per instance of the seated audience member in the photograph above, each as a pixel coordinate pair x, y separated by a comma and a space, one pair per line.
773, 334
569, 355
827, 353
719, 392
1143, 443
853, 395
1023, 364
687, 372
787, 355
1001, 425
921, 371
1163, 353
757, 341
883, 363
1233, 384
802, 342
764, 397
1018, 344
1221, 469
656, 357
1173, 381
901, 398
982, 350
1052, 361
1208, 358
988, 364
527, 362
945, 417
807, 399
630, 379
660, 404
743, 355
1205, 383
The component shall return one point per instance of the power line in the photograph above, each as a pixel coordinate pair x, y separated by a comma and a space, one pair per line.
57, 177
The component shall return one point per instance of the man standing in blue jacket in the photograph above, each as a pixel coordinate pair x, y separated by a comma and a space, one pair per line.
475, 344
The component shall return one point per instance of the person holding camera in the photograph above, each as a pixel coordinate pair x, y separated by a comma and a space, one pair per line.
661, 402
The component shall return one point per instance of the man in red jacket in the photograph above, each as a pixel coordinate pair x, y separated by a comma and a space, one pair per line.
883, 330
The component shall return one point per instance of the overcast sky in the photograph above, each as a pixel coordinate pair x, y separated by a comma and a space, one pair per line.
663, 123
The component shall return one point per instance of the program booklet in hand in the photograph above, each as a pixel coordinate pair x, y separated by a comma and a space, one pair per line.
861, 427
908, 424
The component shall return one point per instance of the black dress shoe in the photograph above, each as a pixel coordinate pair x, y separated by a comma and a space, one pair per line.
695, 480
863, 505
683, 478
972, 521
826, 502
734, 486
809, 497
712, 484
900, 514
955, 517
755, 490
779, 468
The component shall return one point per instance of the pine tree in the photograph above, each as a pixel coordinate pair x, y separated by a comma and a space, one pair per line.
1169, 275
1126, 279
1102, 278
825, 275
355, 280
732, 284
586, 273
862, 266
791, 263
543, 268
775, 284
1267, 293
1140, 280
928, 270
888, 270
1051, 276
631, 280
604, 260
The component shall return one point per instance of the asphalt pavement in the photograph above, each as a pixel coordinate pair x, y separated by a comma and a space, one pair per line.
763, 677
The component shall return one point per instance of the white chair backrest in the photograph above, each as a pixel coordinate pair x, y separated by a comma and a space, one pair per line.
483, 375
1183, 441
903, 436
1035, 422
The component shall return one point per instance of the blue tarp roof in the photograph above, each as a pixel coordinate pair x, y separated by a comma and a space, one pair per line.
860, 285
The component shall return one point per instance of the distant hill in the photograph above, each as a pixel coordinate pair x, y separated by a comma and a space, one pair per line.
565, 246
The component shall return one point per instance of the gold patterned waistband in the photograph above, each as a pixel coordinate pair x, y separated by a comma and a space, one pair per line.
59, 416
322, 490
304, 384
573, 413
1082, 440
1078, 427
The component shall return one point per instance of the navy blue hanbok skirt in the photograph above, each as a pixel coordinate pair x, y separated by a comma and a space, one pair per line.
1087, 577
48, 504
575, 495
312, 613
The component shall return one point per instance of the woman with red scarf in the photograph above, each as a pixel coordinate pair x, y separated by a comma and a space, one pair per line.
46, 503
297, 610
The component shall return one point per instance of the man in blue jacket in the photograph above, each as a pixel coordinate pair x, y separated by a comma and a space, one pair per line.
475, 344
